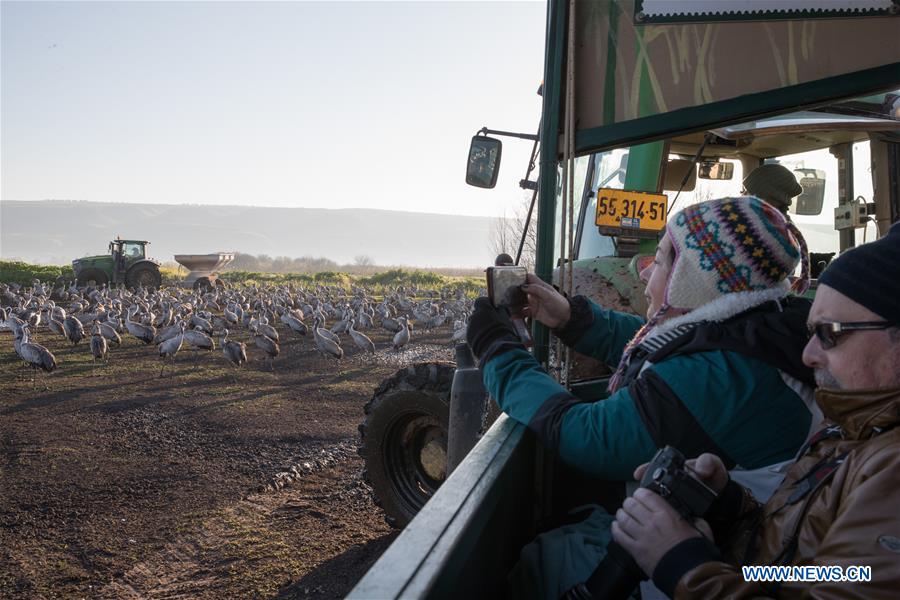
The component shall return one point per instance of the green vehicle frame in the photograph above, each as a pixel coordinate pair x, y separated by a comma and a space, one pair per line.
125, 263
632, 77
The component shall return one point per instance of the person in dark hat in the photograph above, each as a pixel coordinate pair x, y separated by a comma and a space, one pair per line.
838, 502
773, 183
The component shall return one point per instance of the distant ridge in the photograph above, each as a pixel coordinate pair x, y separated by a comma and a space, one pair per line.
56, 231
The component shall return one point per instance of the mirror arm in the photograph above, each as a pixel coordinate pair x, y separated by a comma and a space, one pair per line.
523, 136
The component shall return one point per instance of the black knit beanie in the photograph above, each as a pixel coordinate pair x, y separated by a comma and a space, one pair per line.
870, 275
774, 184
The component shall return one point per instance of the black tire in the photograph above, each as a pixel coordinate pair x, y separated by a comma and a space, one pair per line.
146, 276
92, 277
404, 439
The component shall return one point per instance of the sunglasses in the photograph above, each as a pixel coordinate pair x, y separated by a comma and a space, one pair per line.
829, 333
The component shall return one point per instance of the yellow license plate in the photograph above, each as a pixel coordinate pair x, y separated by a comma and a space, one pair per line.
631, 210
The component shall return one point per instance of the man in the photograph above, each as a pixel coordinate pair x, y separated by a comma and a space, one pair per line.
773, 183
838, 503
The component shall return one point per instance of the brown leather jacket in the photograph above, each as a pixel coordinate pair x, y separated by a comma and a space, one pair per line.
851, 518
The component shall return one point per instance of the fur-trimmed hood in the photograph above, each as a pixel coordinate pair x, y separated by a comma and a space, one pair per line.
722, 308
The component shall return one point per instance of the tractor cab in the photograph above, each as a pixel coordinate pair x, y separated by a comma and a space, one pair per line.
125, 252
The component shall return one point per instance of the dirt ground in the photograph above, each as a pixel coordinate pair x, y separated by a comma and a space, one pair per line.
203, 483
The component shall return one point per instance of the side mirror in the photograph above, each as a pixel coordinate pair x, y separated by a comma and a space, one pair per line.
715, 170
810, 200
484, 161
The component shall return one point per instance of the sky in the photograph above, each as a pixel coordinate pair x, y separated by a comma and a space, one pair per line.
289, 104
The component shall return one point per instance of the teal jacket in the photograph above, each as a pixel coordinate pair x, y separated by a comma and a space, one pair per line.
718, 393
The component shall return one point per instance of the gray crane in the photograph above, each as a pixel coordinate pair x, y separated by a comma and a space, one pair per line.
169, 348
73, 329
267, 345
326, 344
99, 347
402, 336
35, 355
361, 340
145, 333
235, 352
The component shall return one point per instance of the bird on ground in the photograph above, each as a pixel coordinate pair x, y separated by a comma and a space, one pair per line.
324, 332
294, 324
198, 339
35, 355
267, 330
99, 347
109, 332
73, 329
361, 340
235, 352
402, 336
56, 326
327, 345
169, 348
145, 333
267, 345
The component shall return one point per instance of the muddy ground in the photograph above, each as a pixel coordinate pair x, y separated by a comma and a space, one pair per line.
203, 483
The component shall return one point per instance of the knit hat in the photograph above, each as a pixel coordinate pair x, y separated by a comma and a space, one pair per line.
870, 275
731, 245
724, 247
773, 183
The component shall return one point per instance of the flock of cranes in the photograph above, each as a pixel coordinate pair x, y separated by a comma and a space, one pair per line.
171, 319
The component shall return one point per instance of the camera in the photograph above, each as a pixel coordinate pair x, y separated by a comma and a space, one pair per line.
504, 285
618, 574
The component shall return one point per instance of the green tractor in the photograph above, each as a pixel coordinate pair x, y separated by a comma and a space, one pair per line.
126, 263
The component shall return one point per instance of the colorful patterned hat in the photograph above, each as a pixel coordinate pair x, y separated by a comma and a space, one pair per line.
732, 245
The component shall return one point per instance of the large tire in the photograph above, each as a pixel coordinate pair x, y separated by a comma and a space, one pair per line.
146, 276
404, 439
92, 277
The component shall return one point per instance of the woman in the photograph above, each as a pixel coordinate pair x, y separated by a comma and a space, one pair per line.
716, 367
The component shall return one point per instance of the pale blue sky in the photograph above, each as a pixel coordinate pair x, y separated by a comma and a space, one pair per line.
313, 104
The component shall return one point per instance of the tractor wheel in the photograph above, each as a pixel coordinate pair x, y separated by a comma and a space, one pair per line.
92, 277
404, 439
146, 276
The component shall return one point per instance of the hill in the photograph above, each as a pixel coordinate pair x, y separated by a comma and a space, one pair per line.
56, 231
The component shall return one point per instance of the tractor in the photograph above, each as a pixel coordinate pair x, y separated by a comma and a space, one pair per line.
126, 263
635, 112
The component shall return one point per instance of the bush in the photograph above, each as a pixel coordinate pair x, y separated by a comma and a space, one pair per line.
23, 273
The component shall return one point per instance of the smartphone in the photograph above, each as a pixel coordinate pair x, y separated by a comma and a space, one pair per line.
504, 286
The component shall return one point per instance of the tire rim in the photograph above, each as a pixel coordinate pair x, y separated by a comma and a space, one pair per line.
416, 458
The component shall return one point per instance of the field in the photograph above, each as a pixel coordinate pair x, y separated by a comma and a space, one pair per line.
204, 482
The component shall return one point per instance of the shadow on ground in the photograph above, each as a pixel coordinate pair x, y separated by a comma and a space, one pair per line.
353, 564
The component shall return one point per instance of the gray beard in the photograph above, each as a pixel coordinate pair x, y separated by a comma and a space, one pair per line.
824, 379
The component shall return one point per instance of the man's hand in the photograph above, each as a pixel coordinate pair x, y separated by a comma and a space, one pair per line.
544, 303
708, 468
647, 527
488, 325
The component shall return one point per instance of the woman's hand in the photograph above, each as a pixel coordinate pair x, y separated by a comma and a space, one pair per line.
544, 303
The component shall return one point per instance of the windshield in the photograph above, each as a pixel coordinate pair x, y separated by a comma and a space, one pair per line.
133, 250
